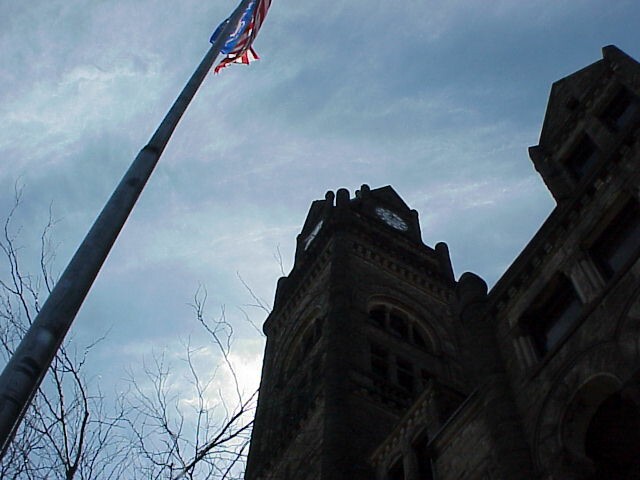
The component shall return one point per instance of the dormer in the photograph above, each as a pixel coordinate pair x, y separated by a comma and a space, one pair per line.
590, 115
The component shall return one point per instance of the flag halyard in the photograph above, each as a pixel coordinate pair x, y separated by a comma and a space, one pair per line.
238, 46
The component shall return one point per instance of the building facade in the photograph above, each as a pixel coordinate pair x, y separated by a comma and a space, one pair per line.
379, 364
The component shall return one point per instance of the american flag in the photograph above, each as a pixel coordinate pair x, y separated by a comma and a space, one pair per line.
238, 47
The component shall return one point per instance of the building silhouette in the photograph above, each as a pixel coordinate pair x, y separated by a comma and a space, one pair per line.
379, 364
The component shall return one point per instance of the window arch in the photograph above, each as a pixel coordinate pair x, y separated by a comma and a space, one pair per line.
299, 378
302, 347
612, 439
396, 376
398, 323
601, 429
581, 409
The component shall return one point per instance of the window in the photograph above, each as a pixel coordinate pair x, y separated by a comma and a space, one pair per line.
379, 316
302, 349
418, 339
379, 361
423, 456
394, 372
404, 374
613, 438
400, 325
310, 338
300, 397
553, 314
583, 157
316, 368
621, 110
397, 471
425, 376
619, 242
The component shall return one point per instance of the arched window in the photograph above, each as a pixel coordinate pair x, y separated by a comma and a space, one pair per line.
424, 457
400, 325
302, 347
613, 439
378, 315
396, 472
310, 337
393, 374
418, 337
601, 430
396, 376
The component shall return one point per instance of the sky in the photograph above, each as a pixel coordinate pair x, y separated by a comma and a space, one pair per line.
439, 99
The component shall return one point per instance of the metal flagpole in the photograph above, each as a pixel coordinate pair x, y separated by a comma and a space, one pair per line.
23, 374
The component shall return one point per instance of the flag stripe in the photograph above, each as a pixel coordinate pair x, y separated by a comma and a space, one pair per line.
238, 47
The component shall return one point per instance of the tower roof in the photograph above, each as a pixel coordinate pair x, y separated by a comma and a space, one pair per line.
566, 94
386, 195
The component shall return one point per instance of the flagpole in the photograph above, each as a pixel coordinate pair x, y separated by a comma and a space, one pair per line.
25, 370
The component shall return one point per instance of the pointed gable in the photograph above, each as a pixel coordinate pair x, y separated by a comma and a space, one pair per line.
566, 95
588, 112
388, 197
315, 214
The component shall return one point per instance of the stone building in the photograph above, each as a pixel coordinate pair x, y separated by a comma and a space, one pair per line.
381, 365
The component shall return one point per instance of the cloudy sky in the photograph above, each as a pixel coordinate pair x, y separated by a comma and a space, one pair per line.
439, 99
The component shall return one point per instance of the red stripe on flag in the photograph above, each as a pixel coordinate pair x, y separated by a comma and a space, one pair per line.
243, 51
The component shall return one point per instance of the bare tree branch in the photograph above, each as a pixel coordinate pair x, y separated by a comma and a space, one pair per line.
66, 431
259, 303
278, 258
186, 423
183, 429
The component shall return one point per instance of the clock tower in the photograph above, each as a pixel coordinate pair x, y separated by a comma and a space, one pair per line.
360, 327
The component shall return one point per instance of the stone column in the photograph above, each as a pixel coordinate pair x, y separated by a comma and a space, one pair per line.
410, 461
511, 453
337, 461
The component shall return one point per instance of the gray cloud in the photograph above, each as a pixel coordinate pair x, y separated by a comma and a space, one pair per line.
439, 99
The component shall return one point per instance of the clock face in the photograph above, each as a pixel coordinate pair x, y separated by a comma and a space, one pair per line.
312, 235
392, 219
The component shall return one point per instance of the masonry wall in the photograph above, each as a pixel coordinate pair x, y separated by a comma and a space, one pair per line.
598, 355
463, 449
